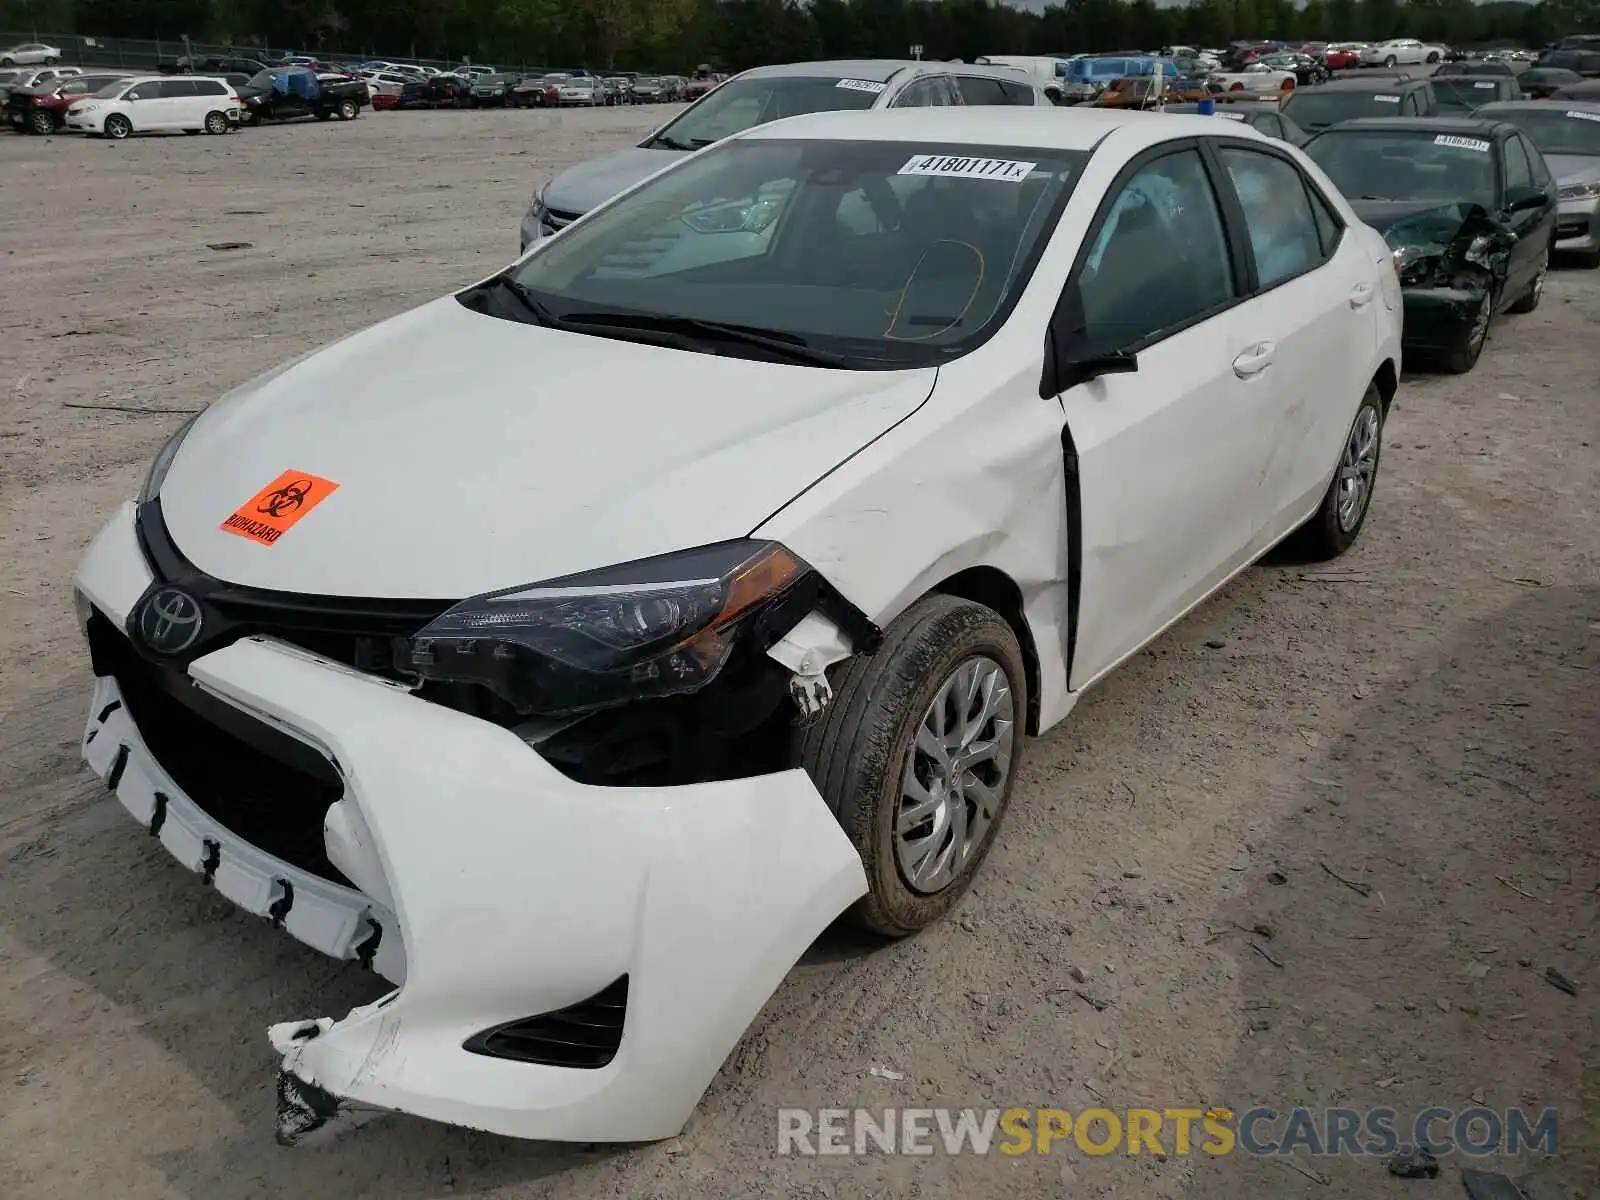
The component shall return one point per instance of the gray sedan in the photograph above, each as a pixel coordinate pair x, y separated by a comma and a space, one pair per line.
1567, 134
766, 94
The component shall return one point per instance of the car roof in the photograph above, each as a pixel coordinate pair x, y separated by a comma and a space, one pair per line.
997, 125
1583, 106
873, 70
1368, 83
1466, 126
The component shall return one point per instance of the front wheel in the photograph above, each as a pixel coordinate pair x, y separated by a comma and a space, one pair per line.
1390, 61
1465, 356
1336, 524
1432, 58
916, 756
1530, 299
348, 110
118, 127
216, 123
41, 122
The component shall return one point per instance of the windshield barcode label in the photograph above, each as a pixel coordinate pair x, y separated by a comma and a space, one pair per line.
1583, 116
1388, 99
862, 85
1462, 143
968, 168
1483, 85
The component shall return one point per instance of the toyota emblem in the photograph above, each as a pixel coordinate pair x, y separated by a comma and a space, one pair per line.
170, 621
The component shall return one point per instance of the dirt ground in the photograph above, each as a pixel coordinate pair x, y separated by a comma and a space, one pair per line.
1424, 721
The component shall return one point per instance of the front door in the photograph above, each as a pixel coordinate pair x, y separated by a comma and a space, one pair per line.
1172, 453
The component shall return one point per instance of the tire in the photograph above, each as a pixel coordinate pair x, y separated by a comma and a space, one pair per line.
1238, 87
1391, 61
1338, 521
118, 127
1432, 59
866, 742
1529, 300
217, 123
41, 122
1465, 356
8, 61
348, 110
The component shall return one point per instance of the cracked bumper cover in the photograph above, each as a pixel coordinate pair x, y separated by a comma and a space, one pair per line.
515, 891
1439, 318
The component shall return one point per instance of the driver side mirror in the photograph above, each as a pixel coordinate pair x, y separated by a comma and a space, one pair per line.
1523, 199
1068, 358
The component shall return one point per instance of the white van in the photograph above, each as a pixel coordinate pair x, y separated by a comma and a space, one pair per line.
1043, 70
157, 104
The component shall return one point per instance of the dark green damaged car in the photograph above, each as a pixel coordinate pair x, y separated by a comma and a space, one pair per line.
1469, 208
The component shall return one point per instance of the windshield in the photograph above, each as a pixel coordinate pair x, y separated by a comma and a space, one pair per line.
1371, 164
646, 81
1556, 131
881, 254
745, 103
1317, 108
262, 80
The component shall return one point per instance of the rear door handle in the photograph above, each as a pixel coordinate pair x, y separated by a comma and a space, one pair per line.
1254, 360
1361, 295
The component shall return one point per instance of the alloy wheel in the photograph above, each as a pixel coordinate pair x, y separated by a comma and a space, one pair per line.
1357, 467
955, 775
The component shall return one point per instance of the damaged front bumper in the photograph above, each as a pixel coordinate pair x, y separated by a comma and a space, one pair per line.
575, 961
1439, 319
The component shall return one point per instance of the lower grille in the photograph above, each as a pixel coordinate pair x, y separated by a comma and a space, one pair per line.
582, 1036
1570, 227
556, 218
268, 788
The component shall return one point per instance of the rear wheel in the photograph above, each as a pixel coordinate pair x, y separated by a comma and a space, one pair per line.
1390, 61
41, 121
1337, 522
348, 109
1432, 58
216, 122
118, 127
916, 756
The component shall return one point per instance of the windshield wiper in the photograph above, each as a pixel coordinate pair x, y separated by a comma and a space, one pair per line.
786, 346
1385, 198
668, 142
526, 300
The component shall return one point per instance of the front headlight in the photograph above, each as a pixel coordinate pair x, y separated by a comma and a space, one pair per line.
163, 462
1580, 191
656, 627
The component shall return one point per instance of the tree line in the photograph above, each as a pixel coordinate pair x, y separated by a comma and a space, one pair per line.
675, 35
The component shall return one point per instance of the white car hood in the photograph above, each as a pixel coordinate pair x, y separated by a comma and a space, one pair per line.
473, 453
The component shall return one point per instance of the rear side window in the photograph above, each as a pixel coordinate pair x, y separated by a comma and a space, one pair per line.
1277, 212
975, 91
210, 87
1329, 227
1019, 94
172, 89
924, 93
1541, 172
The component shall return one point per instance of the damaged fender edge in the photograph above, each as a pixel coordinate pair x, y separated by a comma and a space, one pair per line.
808, 650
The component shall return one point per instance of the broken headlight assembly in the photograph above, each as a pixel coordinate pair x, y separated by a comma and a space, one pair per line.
1415, 266
653, 628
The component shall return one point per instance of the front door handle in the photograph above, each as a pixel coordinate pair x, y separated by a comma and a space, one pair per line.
1361, 295
1254, 360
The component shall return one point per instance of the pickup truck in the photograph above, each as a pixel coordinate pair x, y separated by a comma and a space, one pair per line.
284, 93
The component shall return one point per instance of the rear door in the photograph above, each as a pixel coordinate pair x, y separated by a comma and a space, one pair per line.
1168, 457
1527, 224
1313, 302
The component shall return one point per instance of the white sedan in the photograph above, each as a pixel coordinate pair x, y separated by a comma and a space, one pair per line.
1256, 77
1401, 52
573, 649
29, 54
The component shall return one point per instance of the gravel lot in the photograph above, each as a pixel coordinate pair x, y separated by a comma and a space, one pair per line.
1423, 720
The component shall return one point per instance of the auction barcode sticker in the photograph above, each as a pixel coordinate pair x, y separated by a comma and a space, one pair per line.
1483, 85
862, 85
1462, 143
1231, 116
1388, 99
1583, 116
951, 167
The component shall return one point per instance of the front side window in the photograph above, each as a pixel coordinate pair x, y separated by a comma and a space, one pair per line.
745, 103
924, 93
1160, 258
1277, 212
1372, 164
145, 91
1519, 175
880, 253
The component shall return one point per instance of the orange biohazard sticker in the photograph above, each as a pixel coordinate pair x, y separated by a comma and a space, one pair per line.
272, 511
